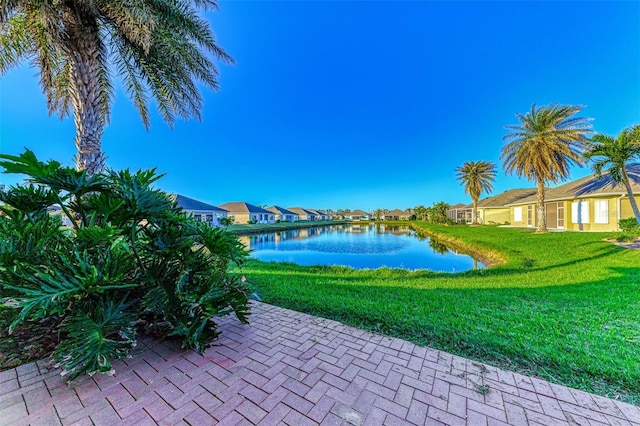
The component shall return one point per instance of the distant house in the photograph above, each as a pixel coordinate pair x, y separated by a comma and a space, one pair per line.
496, 209
357, 215
56, 210
320, 215
397, 214
243, 212
460, 213
284, 215
587, 204
202, 212
304, 214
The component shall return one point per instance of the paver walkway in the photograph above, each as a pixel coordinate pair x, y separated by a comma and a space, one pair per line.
296, 369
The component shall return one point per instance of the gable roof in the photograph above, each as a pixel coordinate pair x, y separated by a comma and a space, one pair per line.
242, 207
398, 212
191, 204
458, 206
589, 186
507, 197
281, 211
301, 211
358, 213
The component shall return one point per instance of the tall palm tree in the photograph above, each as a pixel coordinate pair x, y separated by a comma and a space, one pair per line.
476, 176
159, 48
542, 148
616, 153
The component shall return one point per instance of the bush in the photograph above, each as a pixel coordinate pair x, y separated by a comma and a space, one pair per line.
131, 256
629, 225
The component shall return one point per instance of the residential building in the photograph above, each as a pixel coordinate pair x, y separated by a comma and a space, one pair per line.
397, 214
202, 212
587, 204
243, 212
357, 215
283, 215
460, 213
304, 214
496, 210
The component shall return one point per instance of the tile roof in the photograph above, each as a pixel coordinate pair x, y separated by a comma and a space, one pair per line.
302, 212
191, 204
358, 213
458, 206
398, 212
242, 207
281, 210
589, 186
507, 197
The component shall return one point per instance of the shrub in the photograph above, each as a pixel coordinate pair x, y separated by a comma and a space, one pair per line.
629, 225
131, 256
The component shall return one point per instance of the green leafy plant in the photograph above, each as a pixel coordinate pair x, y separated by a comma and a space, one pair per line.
130, 256
629, 225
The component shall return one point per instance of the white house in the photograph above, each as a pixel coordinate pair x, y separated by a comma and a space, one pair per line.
202, 212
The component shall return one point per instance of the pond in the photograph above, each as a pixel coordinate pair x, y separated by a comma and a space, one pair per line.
359, 247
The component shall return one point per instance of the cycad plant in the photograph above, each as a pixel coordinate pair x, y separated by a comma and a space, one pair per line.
129, 254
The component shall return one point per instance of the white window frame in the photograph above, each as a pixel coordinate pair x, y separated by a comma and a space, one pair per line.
517, 214
601, 211
583, 207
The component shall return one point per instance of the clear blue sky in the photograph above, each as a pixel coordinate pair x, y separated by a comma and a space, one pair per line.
362, 105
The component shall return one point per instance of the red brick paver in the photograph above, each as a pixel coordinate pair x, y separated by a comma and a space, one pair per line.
291, 368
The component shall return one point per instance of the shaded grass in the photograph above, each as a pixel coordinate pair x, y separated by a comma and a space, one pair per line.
561, 306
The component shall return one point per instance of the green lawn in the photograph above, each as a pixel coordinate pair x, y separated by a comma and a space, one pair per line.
246, 229
562, 306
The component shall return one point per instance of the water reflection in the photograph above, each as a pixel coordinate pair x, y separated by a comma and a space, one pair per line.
359, 246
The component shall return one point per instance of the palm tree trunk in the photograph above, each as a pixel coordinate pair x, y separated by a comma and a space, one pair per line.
474, 219
632, 200
89, 96
541, 226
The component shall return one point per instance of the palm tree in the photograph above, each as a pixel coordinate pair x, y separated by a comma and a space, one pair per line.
159, 48
542, 148
606, 151
476, 176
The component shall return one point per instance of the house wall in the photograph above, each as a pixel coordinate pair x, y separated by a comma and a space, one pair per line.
287, 218
239, 217
522, 221
625, 207
216, 216
497, 215
529, 211
571, 210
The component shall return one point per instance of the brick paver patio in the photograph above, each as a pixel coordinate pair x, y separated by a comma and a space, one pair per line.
296, 369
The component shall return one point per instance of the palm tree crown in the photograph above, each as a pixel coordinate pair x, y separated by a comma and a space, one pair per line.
159, 48
616, 153
543, 147
476, 176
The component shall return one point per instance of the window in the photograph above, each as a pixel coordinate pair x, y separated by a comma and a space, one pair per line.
517, 214
197, 217
601, 211
560, 215
580, 212
529, 215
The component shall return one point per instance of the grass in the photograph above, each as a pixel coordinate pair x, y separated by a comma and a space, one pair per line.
561, 306
255, 228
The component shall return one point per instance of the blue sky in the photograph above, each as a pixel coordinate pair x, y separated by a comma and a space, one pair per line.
362, 105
